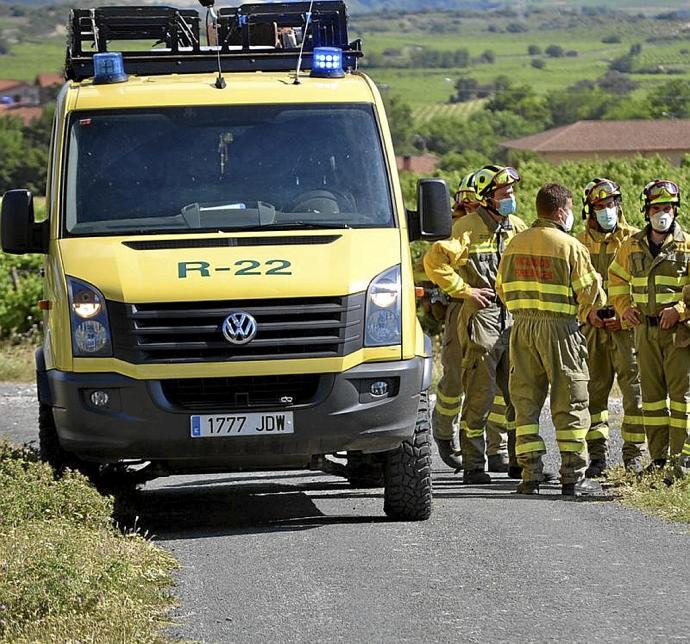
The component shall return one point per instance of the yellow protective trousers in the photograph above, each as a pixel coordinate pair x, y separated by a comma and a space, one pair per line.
450, 393
484, 376
549, 350
665, 380
611, 354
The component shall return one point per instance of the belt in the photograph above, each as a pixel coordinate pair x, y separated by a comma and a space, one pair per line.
652, 320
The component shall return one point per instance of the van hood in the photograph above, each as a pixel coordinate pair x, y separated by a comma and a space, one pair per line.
182, 268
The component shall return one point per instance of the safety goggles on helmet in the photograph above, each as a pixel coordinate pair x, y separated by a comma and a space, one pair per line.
466, 193
601, 190
492, 177
660, 191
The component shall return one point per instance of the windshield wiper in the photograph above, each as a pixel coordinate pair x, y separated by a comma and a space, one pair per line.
305, 225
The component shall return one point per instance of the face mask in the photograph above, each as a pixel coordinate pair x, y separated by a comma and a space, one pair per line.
569, 221
607, 218
507, 206
661, 221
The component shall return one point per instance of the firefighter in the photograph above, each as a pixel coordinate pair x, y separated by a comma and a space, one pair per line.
547, 282
465, 268
449, 394
610, 342
646, 281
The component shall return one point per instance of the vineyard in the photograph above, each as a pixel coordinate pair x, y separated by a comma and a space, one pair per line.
425, 113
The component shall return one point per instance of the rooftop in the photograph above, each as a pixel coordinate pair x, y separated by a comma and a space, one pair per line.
624, 136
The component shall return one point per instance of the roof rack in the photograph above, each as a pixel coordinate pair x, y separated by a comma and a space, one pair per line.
251, 37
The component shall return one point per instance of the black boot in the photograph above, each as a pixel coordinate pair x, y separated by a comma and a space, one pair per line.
596, 468
514, 472
497, 463
475, 477
449, 454
584, 487
527, 487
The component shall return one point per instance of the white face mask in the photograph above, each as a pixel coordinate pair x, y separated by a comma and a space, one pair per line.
661, 221
607, 218
569, 221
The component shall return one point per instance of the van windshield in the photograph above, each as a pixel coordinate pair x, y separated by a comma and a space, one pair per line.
225, 168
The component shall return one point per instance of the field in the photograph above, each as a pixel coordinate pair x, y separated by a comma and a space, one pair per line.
391, 39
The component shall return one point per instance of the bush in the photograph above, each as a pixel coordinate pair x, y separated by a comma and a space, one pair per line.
534, 50
554, 51
612, 39
538, 63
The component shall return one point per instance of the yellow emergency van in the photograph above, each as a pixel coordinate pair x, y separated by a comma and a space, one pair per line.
228, 283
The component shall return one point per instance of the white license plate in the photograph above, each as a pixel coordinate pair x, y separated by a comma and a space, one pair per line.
250, 424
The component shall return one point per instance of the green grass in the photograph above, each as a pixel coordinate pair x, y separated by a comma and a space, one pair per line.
67, 574
17, 361
652, 495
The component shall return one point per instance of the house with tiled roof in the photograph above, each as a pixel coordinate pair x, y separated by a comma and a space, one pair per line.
420, 163
609, 140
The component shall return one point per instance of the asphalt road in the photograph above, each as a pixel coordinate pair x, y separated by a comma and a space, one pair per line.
295, 556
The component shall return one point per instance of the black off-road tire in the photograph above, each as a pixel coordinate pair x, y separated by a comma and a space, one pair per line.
364, 470
407, 472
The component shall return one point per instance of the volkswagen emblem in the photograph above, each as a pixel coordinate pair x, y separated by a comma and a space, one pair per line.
239, 327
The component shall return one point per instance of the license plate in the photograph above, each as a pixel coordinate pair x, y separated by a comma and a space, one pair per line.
250, 424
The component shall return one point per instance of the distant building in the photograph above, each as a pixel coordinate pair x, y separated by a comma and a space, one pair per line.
26, 114
420, 164
14, 91
48, 86
609, 140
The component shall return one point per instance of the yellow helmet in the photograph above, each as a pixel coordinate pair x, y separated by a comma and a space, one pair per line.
660, 191
598, 190
491, 177
466, 192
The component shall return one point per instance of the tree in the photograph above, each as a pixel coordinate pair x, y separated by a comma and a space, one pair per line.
4, 47
534, 50
555, 51
671, 100
401, 123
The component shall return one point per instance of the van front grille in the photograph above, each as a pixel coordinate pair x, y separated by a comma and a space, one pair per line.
173, 332
243, 393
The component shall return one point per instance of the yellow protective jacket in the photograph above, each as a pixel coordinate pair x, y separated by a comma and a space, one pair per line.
603, 246
469, 259
650, 284
546, 272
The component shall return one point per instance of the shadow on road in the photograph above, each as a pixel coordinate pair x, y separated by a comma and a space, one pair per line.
232, 506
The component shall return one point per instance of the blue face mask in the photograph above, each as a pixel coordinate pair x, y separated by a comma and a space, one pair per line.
607, 217
507, 206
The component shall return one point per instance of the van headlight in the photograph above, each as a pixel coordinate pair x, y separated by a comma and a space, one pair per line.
383, 310
89, 320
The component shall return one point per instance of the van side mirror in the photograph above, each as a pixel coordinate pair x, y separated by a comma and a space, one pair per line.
432, 220
19, 232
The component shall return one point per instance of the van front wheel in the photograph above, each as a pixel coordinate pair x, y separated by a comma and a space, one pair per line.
407, 472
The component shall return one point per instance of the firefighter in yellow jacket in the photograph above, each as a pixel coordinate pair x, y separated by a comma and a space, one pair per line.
610, 342
465, 268
646, 281
547, 282
449, 392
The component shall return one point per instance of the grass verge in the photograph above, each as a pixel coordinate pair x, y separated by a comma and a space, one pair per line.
66, 572
651, 495
17, 361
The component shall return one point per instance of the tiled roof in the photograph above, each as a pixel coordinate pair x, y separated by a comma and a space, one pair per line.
609, 136
7, 85
26, 114
48, 80
420, 164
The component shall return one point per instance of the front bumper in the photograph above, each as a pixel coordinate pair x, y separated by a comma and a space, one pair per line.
142, 424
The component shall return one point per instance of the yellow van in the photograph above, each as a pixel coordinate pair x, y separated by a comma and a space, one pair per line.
228, 283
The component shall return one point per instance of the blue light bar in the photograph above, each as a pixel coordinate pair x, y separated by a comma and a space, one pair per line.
108, 67
327, 62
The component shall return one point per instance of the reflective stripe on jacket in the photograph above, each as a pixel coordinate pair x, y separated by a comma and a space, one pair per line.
547, 272
650, 284
469, 259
